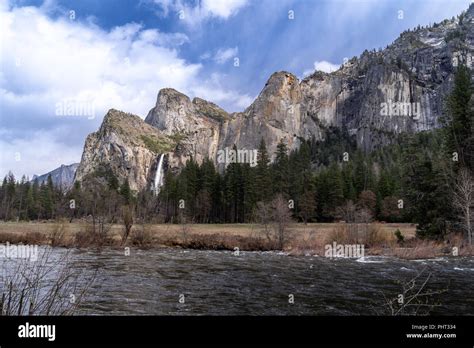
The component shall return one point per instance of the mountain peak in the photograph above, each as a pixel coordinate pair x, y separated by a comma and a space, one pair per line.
170, 92
282, 86
119, 120
62, 177
280, 78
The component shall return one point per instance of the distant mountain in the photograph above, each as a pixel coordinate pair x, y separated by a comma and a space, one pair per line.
62, 177
374, 98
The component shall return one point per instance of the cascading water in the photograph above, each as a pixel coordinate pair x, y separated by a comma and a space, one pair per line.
158, 176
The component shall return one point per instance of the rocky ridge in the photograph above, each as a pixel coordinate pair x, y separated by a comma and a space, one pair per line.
414, 74
62, 176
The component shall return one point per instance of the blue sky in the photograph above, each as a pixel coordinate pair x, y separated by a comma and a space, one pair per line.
119, 53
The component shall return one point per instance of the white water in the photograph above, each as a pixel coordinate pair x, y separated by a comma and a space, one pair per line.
158, 176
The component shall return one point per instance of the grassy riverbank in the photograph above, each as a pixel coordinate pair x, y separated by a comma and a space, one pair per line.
378, 239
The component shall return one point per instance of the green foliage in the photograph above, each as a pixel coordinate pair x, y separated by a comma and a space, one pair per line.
425, 186
176, 137
281, 169
263, 175
458, 120
399, 236
336, 142
126, 192
157, 145
455, 34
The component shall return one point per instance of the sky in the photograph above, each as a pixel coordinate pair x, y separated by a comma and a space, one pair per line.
64, 63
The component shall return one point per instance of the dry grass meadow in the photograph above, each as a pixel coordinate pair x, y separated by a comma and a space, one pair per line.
378, 238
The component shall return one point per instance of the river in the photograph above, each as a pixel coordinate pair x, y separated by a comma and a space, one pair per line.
190, 282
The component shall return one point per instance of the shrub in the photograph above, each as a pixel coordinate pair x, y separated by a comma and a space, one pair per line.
57, 236
399, 236
89, 237
141, 237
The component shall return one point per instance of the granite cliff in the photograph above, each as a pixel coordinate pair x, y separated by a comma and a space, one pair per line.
373, 97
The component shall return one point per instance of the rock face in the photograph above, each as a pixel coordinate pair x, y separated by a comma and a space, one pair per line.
195, 125
127, 147
276, 114
411, 77
62, 177
374, 97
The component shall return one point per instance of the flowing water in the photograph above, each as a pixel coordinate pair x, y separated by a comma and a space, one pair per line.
158, 182
260, 283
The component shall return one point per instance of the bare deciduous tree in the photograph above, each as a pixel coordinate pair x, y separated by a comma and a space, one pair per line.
347, 211
354, 216
463, 201
184, 224
275, 219
282, 218
390, 210
307, 206
263, 215
413, 299
127, 218
49, 286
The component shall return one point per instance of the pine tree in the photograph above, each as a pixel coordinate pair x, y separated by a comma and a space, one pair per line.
360, 182
281, 169
385, 185
348, 182
169, 197
233, 191
307, 206
21, 199
263, 178
31, 211
46, 201
218, 202
207, 173
250, 192
329, 192
336, 195
191, 185
300, 175
52, 196
10, 189
3, 198
459, 118
425, 190
126, 192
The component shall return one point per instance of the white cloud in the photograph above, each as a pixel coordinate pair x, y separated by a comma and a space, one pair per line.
164, 39
223, 55
205, 56
326, 66
46, 61
223, 8
37, 155
201, 10
322, 65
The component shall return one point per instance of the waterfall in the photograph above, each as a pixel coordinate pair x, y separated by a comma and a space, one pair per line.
158, 176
